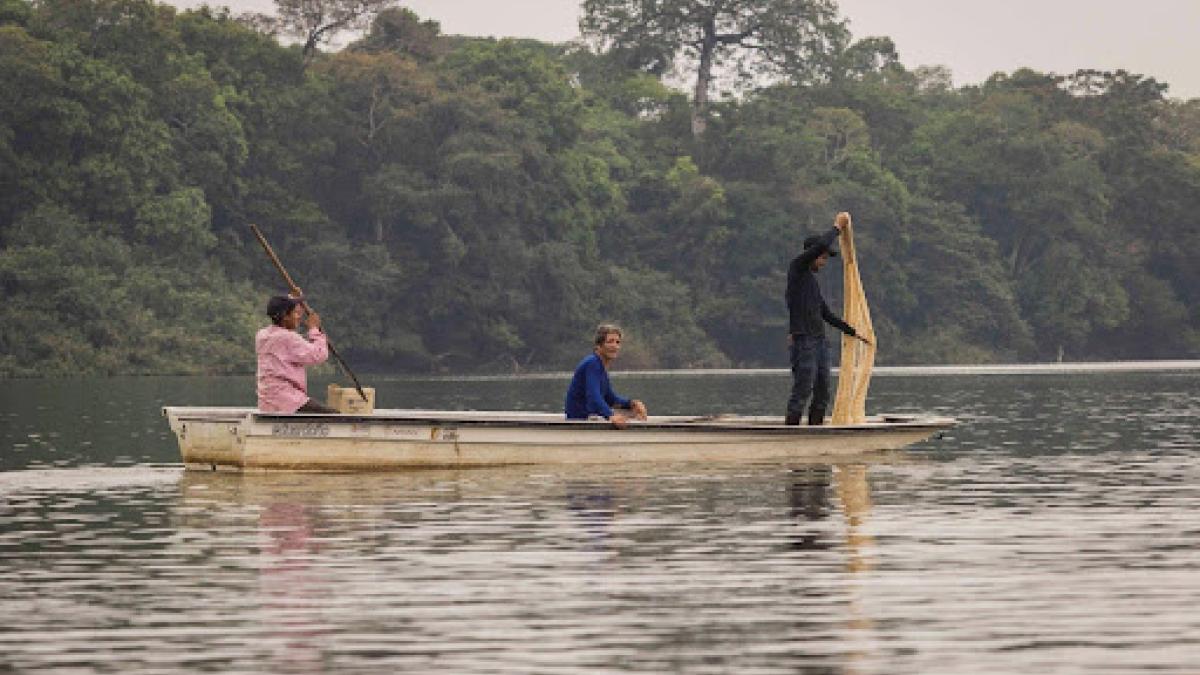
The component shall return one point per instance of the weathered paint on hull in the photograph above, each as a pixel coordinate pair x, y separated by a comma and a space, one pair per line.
241, 439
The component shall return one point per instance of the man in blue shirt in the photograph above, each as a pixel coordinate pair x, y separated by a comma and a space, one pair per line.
591, 393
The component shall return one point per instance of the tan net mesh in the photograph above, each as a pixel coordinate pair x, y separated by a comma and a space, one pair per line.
858, 357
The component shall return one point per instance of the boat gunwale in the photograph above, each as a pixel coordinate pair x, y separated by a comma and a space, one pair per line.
699, 424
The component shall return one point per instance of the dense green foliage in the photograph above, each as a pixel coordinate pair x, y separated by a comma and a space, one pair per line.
454, 204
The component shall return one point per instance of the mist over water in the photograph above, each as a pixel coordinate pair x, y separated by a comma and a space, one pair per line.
1053, 530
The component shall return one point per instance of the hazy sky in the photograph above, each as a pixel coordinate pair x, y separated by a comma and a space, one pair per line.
974, 38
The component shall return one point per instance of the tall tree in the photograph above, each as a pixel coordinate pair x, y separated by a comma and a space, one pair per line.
317, 21
758, 38
400, 30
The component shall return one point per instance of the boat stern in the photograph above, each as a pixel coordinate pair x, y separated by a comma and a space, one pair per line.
209, 438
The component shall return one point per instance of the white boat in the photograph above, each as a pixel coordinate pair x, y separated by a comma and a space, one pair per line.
244, 439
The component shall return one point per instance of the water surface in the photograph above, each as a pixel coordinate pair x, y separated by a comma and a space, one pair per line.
1053, 531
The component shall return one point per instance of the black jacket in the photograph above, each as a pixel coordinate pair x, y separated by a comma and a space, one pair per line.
806, 308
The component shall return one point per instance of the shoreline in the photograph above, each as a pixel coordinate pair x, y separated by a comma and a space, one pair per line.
1169, 365
1080, 367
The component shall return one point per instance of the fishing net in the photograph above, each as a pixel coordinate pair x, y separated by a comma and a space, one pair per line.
858, 357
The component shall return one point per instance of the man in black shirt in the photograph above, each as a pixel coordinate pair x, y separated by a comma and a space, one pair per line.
807, 316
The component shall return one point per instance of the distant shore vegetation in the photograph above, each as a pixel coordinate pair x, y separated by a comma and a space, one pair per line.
453, 204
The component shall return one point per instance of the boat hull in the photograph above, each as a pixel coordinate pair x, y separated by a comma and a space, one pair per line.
244, 439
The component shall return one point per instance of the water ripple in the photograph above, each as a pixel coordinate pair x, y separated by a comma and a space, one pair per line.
1054, 531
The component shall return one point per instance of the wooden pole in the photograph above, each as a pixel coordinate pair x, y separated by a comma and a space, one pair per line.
296, 291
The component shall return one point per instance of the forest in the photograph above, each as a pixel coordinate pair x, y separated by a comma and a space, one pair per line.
455, 204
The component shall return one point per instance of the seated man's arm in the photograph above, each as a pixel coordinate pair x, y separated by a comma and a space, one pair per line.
308, 352
613, 399
635, 406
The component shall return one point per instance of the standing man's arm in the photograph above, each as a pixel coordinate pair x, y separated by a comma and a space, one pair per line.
810, 254
836, 321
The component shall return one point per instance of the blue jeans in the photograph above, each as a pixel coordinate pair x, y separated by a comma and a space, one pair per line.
810, 375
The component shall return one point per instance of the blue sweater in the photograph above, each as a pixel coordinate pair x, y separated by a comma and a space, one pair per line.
590, 392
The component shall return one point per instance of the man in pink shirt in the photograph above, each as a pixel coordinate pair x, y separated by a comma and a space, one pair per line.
282, 355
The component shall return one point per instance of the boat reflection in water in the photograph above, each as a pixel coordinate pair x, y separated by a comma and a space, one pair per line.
417, 569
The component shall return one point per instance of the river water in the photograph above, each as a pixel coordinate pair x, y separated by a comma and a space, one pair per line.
1054, 530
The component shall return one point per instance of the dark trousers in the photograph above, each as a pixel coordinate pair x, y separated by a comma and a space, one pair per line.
810, 377
311, 406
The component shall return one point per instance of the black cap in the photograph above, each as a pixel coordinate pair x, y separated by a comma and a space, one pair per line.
279, 306
815, 240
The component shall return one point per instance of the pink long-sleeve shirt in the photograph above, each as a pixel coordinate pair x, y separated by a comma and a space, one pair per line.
282, 356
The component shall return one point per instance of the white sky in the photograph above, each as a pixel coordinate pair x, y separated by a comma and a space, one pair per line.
973, 38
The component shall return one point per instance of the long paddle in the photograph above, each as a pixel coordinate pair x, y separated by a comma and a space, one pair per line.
296, 291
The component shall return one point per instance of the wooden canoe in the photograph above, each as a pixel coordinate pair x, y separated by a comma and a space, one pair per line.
244, 439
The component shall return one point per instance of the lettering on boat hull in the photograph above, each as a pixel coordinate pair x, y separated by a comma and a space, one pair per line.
399, 431
298, 430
